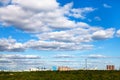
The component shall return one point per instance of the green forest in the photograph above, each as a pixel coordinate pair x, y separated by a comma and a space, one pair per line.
62, 75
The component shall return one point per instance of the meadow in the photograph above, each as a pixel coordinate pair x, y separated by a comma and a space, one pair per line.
62, 75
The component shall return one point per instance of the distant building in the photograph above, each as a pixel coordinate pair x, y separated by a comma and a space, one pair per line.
64, 68
54, 68
110, 67
34, 69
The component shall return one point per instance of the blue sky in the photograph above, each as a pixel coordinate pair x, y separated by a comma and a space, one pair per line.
36, 33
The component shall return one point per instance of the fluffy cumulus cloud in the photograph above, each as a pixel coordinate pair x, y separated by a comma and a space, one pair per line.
11, 45
43, 15
118, 33
51, 24
103, 34
37, 4
76, 35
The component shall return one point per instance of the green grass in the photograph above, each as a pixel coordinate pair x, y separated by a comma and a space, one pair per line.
63, 75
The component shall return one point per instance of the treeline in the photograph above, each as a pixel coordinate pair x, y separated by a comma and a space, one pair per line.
62, 75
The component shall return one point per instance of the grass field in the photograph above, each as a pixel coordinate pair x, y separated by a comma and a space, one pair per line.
63, 75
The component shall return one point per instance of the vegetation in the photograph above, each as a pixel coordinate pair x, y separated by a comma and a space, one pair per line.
62, 75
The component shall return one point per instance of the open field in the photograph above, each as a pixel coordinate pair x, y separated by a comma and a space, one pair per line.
63, 75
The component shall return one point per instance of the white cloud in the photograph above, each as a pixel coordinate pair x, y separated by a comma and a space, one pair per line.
118, 33
103, 34
75, 39
54, 45
11, 45
82, 33
19, 61
37, 5
18, 56
97, 18
42, 16
106, 6
62, 36
85, 33
96, 56
80, 13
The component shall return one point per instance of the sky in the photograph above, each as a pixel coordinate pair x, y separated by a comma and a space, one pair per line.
46, 33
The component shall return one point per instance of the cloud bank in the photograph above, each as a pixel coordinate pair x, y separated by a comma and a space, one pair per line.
51, 24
